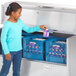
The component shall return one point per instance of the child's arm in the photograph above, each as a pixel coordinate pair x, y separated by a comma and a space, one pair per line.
3, 38
29, 29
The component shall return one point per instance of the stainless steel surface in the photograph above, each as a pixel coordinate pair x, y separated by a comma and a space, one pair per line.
44, 15
35, 68
71, 44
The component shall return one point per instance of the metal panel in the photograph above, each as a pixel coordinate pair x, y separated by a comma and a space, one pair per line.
39, 68
29, 17
71, 55
34, 14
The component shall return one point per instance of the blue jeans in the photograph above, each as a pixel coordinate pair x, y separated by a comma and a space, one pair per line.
16, 59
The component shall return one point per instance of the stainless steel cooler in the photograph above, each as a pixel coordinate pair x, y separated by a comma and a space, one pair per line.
59, 18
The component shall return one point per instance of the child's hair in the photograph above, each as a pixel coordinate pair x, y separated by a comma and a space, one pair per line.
12, 7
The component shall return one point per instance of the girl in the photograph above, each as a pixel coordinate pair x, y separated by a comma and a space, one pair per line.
11, 39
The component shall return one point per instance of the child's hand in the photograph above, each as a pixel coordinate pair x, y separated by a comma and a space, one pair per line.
43, 27
8, 56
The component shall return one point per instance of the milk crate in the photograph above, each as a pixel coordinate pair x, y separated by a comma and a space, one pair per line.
56, 50
33, 48
27, 34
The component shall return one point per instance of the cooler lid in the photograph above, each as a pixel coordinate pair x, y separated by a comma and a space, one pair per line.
57, 17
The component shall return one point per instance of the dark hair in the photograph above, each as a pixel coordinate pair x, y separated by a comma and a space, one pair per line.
12, 7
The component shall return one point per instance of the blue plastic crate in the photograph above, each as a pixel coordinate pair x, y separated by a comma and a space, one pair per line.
27, 34
41, 36
56, 50
38, 36
33, 48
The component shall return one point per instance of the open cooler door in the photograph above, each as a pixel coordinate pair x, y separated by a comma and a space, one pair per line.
60, 21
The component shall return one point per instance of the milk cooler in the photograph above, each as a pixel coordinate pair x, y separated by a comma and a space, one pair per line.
60, 19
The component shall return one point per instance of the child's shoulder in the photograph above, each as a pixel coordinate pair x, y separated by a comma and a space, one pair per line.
6, 24
20, 20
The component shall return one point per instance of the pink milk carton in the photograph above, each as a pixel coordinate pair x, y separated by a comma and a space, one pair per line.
46, 33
